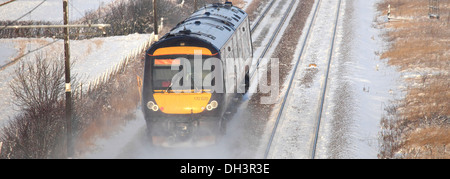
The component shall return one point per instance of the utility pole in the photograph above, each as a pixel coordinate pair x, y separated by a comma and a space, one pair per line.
195, 5
68, 90
155, 18
67, 74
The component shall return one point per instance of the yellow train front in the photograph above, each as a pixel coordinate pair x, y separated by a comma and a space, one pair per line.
212, 38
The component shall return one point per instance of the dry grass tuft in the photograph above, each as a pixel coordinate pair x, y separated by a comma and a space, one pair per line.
419, 126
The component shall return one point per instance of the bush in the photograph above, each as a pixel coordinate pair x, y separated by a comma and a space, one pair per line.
38, 89
38, 84
128, 17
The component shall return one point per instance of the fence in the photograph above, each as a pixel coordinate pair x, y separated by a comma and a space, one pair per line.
121, 66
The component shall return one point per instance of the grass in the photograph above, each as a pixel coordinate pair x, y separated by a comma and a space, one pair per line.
418, 125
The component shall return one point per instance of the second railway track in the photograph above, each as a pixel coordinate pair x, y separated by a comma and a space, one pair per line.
261, 51
300, 113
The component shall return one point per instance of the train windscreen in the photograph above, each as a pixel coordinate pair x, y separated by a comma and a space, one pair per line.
163, 75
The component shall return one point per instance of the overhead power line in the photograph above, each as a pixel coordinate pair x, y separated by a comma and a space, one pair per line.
55, 26
23, 15
7, 2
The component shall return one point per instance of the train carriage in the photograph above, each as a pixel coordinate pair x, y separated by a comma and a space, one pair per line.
195, 113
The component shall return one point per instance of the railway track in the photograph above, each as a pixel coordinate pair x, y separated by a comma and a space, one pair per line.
316, 117
260, 18
227, 149
275, 34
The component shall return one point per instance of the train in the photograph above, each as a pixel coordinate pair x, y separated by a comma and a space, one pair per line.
194, 74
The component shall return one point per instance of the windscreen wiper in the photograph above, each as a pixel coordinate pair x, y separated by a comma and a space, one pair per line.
169, 88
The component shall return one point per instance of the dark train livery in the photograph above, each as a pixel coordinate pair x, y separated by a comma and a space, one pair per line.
218, 31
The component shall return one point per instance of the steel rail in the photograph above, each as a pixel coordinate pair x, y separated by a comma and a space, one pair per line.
261, 17
324, 89
275, 34
280, 112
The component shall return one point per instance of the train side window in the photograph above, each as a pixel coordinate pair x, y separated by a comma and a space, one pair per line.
229, 53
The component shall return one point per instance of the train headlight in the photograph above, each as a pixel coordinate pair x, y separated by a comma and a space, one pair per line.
209, 107
155, 108
214, 104
152, 106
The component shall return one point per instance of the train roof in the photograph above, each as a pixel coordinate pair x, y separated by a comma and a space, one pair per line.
214, 23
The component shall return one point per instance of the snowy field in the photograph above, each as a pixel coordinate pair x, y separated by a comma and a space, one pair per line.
92, 57
50, 10
359, 86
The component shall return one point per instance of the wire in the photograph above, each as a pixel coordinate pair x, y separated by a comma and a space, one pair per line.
5, 3
29, 12
73, 7
29, 52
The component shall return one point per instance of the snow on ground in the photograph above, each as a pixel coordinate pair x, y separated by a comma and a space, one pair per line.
91, 57
359, 85
247, 3
95, 56
50, 10
240, 142
7, 52
295, 131
112, 146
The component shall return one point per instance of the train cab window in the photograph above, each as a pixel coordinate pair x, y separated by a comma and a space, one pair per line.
163, 74
162, 77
